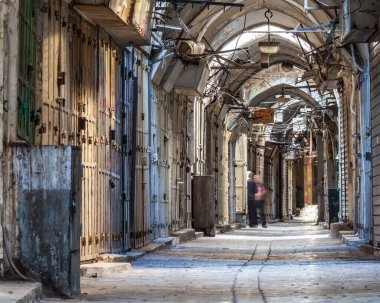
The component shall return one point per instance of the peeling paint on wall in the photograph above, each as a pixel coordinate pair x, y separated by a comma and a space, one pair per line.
47, 182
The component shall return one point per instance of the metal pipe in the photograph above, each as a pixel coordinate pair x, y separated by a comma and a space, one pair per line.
206, 2
286, 31
169, 26
321, 6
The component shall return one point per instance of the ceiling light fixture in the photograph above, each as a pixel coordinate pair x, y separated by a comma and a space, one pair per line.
269, 47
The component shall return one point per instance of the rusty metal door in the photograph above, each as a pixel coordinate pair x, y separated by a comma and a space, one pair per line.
159, 165
110, 219
85, 94
127, 127
141, 221
81, 105
177, 156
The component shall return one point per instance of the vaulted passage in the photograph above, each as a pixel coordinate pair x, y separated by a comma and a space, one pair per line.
130, 125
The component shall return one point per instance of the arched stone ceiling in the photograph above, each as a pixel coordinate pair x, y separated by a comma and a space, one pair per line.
288, 52
219, 25
287, 89
232, 120
216, 26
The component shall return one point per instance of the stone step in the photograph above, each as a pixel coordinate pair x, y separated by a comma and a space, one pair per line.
101, 269
20, 292
184, 235
116, 263
199, 234
351, 240
223, 228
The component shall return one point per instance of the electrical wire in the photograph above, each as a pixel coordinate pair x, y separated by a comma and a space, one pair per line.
237, 42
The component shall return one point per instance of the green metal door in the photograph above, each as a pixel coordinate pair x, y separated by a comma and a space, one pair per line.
27, 70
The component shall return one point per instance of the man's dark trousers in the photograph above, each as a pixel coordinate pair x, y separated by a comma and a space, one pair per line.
252, 212
253, 215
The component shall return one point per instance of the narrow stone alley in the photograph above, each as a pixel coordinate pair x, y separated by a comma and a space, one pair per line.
140, 138
288, 262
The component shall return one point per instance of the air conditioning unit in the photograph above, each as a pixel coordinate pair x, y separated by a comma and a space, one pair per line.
190, 47
128, 21
360, 21
193, 79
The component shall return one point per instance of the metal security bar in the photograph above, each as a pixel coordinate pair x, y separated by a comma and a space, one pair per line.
27, 70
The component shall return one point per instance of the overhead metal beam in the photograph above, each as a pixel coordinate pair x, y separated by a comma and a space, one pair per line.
319, 7
206, 2
254, 67
313, 29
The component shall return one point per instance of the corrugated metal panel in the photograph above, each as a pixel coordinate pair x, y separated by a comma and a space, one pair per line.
375, 119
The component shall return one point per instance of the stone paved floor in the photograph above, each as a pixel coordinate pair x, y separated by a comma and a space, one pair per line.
284, 263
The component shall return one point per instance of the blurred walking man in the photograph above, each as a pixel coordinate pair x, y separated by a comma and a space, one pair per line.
259, 202
251, 191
